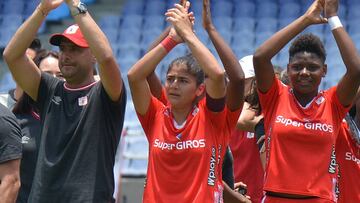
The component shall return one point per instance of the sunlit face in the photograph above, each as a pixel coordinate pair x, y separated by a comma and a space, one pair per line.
181, 88
76, 63
305, 72
50, 65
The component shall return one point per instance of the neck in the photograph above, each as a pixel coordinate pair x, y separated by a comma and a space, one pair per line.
305, 99
181, 114
75, 85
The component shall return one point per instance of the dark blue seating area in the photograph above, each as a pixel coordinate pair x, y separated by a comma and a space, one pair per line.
244, 24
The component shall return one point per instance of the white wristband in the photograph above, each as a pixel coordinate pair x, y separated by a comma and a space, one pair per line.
334, 22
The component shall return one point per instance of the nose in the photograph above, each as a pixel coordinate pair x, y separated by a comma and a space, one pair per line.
304, 70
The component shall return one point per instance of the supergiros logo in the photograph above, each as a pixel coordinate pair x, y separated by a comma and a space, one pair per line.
181, 145
307, 125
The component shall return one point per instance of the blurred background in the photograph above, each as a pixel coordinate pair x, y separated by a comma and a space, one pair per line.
131, 26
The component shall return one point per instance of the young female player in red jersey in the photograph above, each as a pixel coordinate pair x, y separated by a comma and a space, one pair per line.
187, 137
348, 155
301, 123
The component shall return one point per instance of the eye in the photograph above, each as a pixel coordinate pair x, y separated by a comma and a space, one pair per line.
296, 67
170, 79
313, 67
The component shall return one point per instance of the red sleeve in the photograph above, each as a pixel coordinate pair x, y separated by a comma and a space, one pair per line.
269, 98
338, 109
147, 120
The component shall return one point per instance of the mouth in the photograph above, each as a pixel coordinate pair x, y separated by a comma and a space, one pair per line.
174, 95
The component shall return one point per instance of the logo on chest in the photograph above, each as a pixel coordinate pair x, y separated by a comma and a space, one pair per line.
309, 125
188, 144
82, 101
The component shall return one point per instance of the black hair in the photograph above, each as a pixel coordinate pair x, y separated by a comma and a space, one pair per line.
35, 45
192, 66
25, 104
307, 43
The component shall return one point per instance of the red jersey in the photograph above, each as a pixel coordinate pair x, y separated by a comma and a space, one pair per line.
247, 164
185, 164
348, 157
300, 142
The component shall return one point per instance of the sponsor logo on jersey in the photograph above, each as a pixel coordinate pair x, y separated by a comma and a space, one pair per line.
307, 124
56, 100
25, 139
332, 166
250, 135
188, 144
320, 100
212, 175
83, 101
350, 157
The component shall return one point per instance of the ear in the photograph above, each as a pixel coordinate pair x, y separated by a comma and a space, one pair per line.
324, 70
200, 90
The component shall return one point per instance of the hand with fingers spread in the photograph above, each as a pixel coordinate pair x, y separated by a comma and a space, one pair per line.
178, 17
48, 5
206, 15
314, 14
331, 8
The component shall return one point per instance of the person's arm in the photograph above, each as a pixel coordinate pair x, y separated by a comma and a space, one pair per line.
349, 84
215, 84
231, 196
23, 69
235, 87
108, 68
9, 180
264, 71
153, 79
247, 119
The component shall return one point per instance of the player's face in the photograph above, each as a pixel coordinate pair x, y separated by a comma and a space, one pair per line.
181, 88
76, 63
50, 65
305, 72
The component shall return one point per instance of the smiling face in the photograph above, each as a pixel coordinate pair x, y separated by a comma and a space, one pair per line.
305, 71
181, 87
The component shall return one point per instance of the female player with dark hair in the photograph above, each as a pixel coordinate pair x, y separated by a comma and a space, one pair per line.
301, 123
187, 137
29, 120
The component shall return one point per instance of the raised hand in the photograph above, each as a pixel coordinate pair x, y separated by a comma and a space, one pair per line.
331, 8
47, 5
179, 18
206, 15
313, 14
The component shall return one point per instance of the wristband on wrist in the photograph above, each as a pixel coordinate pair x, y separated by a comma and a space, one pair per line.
169, 43
334, 22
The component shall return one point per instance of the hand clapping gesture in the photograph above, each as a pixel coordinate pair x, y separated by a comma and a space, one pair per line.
181, 21
314, 14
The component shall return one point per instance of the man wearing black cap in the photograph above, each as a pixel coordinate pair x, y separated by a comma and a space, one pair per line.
81, 118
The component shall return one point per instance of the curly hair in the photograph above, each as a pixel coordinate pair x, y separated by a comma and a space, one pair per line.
307, 43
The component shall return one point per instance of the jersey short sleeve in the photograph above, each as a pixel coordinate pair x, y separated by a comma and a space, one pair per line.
339, 109
147, 120
268, 99
47, 86
10, 136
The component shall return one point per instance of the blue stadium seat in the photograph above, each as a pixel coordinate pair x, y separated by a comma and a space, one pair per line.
88, 2
243, 40
112, 34
149, 36
156, 7
155, 21
244, 23
110, 21
222, 8
266, 25
285, 21
266, 9
132, 21
261, 37
15, 7
7, 82
241, 51
290, 9
59, 13
133, 8
223, 23
244, 9
10, 20
129, 36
